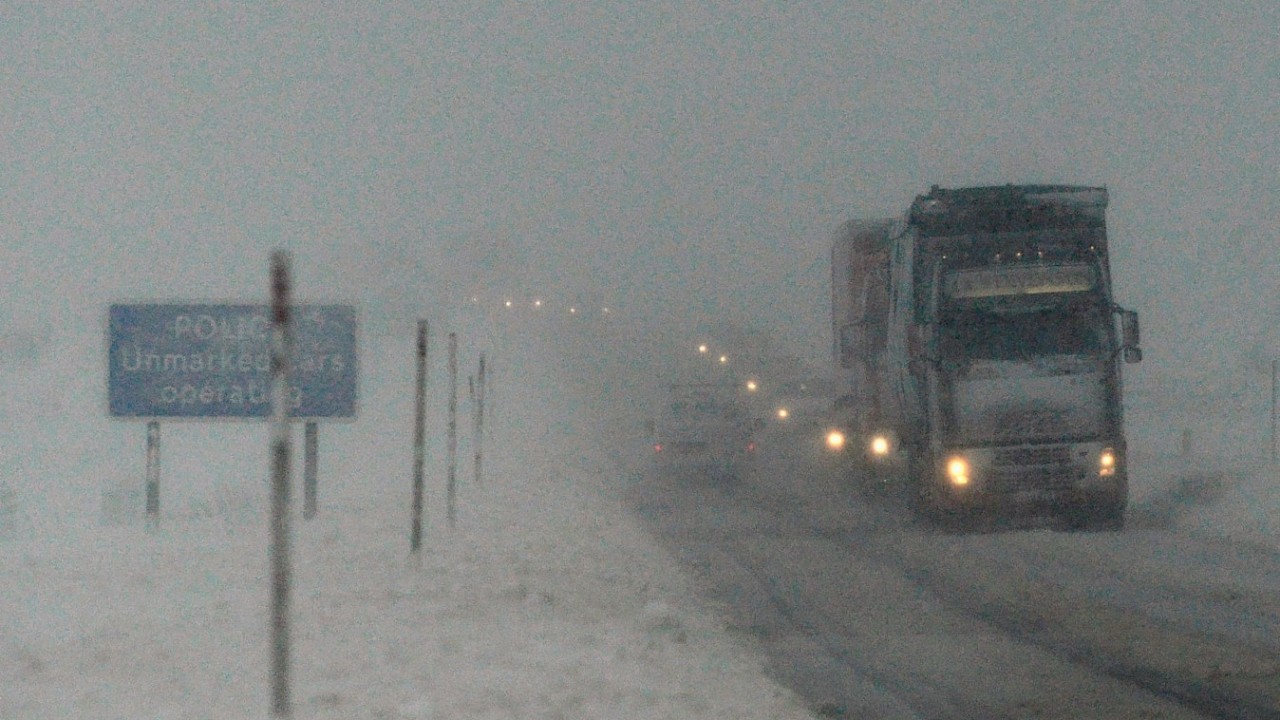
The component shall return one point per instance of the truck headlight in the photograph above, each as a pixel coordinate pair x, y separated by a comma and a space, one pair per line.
1107, 463
879, 446
835, 440
958, 471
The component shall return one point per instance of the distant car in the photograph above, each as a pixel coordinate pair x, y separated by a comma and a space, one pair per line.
704, 429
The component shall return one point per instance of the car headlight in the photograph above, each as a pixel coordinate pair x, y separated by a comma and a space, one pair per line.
835, 440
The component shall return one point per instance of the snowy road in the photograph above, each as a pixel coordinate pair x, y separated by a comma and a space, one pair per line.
870, 618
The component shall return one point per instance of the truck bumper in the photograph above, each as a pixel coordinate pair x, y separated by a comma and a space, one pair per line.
1050, 476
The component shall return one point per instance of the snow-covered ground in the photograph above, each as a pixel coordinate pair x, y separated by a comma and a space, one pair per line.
546, 600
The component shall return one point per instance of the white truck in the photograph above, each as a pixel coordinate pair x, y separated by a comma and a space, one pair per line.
978, 354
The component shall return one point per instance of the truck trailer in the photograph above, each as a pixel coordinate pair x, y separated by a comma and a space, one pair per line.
978, 350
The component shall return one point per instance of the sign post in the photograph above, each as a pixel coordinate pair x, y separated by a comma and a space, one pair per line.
153, 474
310, 453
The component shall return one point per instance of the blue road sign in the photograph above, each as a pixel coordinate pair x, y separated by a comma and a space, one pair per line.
214, 361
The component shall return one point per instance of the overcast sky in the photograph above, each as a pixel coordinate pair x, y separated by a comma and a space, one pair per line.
660, 156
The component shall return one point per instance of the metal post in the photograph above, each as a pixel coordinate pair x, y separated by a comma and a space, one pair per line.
452, 481
488, 397
153, 474
419, 437
479, 405
1273, 410
281, 352
311, 450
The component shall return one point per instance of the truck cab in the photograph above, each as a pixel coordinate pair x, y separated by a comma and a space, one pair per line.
989, 361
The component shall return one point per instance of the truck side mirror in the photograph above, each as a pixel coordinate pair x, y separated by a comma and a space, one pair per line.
1129, 336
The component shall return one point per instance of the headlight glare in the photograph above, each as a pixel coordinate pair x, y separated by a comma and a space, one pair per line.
958, 471
1107, 463
880, 445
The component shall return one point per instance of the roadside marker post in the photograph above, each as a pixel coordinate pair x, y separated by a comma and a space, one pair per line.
419, 437
281, 570
479, 422
451, 482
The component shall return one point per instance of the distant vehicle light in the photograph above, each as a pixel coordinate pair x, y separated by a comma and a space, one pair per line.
751, 447
724, 359
657, 447
783, 413
1107, 463
702, 349
880, 445
958, 471
752, 386
835, 440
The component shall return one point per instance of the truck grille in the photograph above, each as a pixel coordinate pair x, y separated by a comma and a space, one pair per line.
1034, 470
1038, 455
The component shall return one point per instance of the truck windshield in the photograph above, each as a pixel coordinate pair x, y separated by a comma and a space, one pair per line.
1012, 333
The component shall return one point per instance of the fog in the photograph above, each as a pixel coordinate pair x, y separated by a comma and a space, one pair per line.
684, 164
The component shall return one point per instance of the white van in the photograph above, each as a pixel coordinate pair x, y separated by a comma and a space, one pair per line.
704, 429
